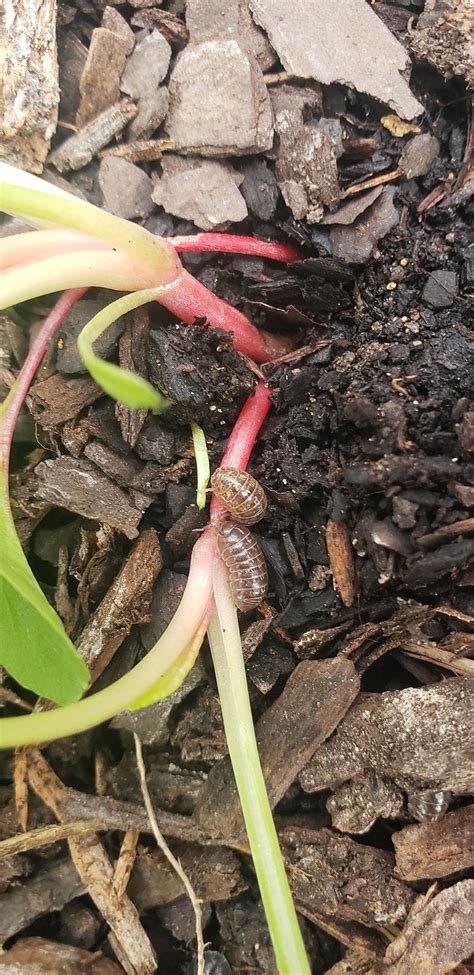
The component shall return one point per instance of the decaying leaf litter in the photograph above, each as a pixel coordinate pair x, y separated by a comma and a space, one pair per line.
359, 663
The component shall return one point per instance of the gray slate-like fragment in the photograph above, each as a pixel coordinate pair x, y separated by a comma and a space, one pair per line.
127, 189
419, 155
208, 18
151, 113
348, 212
343, 42
203, 191
219, 104
354, 244
440, 289
147, 66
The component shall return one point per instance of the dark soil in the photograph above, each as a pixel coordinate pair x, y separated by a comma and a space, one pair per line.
367, 462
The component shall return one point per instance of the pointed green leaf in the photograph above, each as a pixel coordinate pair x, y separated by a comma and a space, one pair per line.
125, 386
34, 646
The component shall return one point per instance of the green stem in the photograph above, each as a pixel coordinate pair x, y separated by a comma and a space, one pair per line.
39, 202
202, 464
177, 639
226, 648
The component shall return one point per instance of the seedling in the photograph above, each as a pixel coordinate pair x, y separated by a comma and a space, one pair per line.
91, 248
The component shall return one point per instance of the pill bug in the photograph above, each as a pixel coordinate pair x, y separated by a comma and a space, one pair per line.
241, 553
429, 805
239, 492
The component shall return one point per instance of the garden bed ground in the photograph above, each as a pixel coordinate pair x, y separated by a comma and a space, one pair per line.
359, 663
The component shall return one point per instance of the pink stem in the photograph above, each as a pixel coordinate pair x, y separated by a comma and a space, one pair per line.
38, 244
188, 299
16, 397
242, 439
235, 244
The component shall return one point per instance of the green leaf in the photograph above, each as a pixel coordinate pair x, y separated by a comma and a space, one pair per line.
125, 386
34, 646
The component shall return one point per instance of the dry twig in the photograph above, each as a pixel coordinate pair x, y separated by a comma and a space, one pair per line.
162, 844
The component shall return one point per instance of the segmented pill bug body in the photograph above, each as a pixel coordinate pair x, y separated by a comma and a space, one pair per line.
239, 492
241, 553
429, 805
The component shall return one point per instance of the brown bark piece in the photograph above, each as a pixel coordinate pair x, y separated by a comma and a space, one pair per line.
334, 875
127, 602
97, 873
132, 355
355, 964
80, 486
79, 149
306, 161
29, 89
419, 737
58, 398
215, 874
316, 697
438, 935
36, 956
442, 38
48, 890
432, 850
102, 72
341, 560
125, 862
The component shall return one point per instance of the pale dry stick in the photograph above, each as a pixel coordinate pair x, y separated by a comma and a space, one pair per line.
162, 844
125, 862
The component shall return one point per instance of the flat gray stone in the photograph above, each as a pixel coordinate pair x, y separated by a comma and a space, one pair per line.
342, 42
147, 66
354, 244
204, 191
126, 188
419, 155
306, 154
151, 113
440, 289
348, 212
219, 103
206, 19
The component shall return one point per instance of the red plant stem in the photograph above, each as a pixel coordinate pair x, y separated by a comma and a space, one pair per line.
187, 299
242, 439
32, 362
235, 244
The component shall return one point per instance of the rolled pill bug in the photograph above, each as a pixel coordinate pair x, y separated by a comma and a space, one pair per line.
428, 805
241, 553
239, 492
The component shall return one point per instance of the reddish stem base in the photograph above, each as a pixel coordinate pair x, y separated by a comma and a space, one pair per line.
242, 439
235, 244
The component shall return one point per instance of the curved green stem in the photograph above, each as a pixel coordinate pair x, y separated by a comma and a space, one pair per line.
179, 636
202, 464
226, 648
